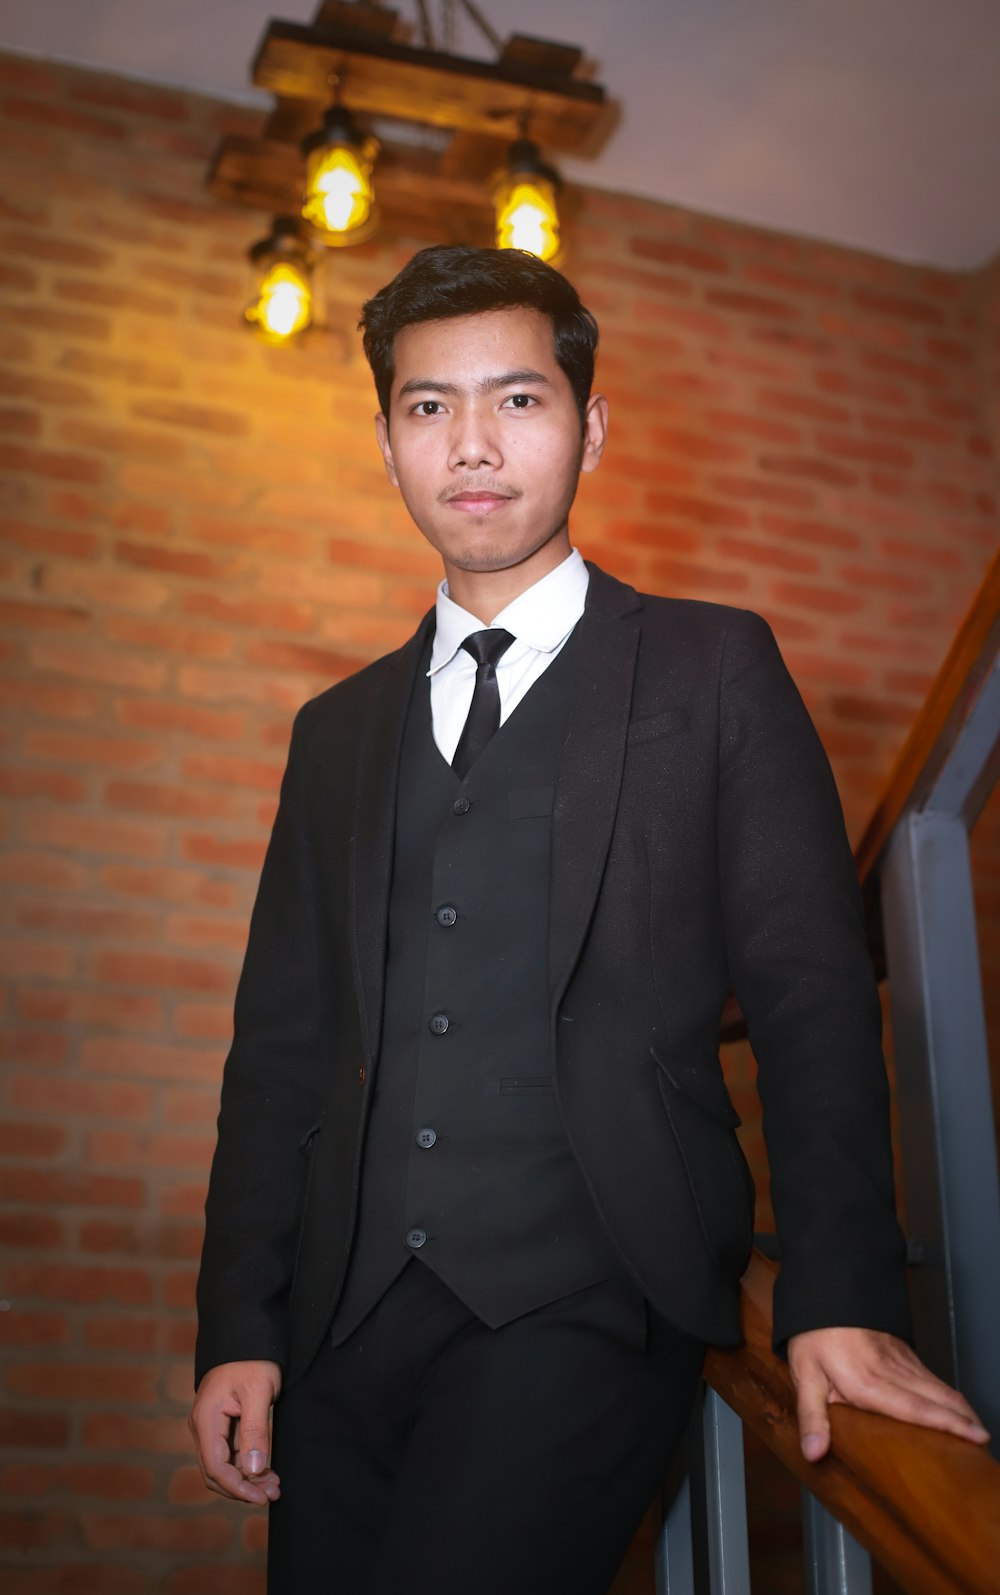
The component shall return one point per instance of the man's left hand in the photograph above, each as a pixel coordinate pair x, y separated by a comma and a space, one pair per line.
876, 1372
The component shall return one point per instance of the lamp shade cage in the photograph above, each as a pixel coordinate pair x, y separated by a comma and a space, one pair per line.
282, 302
527, 214
339, 201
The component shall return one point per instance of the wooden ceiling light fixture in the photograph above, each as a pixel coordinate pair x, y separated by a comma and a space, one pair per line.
459, 137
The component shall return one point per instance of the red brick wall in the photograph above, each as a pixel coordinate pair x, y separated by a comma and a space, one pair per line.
196, 537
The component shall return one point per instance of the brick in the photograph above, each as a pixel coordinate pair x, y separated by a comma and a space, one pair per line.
179, 561
21, 1328
116, 296
41, 870
49, 700
42, 1049
166, 1149
25, 960
56, 785
215, 1581
244, 533
232, 770
84, 1381
70, 1096
27, 615
768, 554
86, 748
823, 599
133, 371
167, 636
87, 833
137, 1336
822, 533
187, 1488
116, 1431
147, 1059
102, 1010
98, 585
129, 442
38, 1231
75, 1283
50, 463
685, 256
259, 614
164, 715
175, 1242
85, 920
30, 1531
112, 667
169, 885
189, 930
36, 1431
60, 1187
35, 539
170, 971
813, 470
202, 1535
184, 801
77, 1578
106, 1481
245, 854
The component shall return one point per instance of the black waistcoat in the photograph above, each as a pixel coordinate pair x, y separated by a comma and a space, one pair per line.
466, 1163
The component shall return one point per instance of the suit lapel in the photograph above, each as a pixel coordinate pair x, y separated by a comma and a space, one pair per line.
590, 767
374, 826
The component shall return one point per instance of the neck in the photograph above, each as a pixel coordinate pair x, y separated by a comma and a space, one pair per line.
485, 593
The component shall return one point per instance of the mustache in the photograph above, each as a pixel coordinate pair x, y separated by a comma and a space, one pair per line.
478, 484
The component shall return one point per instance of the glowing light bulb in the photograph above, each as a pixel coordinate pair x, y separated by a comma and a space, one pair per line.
339, 199
284, 304
525, 196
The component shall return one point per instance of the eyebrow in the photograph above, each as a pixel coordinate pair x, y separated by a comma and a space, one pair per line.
504, 379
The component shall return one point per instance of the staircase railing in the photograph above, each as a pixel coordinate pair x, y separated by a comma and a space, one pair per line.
925, 1505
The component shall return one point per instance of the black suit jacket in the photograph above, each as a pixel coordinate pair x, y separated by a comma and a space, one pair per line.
698, 844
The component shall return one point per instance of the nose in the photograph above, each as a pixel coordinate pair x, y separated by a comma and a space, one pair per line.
475, 443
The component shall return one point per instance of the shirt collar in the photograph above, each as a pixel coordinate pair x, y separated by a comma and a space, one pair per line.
540, 618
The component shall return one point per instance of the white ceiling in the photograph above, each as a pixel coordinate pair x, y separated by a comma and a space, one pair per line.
873, 123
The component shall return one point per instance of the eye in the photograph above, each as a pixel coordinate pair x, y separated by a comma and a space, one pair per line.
520, 401
427, 407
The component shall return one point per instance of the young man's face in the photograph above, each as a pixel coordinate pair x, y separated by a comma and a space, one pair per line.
485, 441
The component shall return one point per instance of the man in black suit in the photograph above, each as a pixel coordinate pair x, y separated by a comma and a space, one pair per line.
477, 1203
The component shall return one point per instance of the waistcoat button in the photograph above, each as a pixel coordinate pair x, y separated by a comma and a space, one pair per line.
426, 1136
439, 1024
446, 916
461, 806
415, 1239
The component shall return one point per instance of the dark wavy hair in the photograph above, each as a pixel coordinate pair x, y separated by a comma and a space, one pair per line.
449, 280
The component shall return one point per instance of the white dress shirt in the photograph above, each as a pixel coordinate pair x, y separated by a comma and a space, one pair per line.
540, 621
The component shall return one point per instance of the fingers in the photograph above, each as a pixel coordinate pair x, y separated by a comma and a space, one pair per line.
812, 1390
876, 1373
234, 1400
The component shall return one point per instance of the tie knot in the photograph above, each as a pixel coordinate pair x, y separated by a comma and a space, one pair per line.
489, 646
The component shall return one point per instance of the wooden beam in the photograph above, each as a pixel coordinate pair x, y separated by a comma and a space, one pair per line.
414, 194
384, 78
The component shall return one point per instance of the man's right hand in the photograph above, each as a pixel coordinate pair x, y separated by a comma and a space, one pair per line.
230, 1424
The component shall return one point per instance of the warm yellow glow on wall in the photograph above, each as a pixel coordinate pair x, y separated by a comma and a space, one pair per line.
527, 216
339, 201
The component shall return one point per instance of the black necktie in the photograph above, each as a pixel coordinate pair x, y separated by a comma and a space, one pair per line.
486, 648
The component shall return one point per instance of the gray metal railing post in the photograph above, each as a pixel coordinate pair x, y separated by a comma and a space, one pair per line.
703, 1545
835, 1563
942, 1072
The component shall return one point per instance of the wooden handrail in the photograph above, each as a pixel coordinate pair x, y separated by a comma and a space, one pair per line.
931, 740
938, 724
925, 1504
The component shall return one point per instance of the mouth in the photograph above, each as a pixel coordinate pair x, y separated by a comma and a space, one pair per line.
478, 503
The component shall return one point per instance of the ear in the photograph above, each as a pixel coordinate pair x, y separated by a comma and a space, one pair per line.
595, 432
382, 439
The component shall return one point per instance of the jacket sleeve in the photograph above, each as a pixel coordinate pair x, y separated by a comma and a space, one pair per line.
801, 971
272, 1095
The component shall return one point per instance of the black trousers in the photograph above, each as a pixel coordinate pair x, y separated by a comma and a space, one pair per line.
431, 1455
